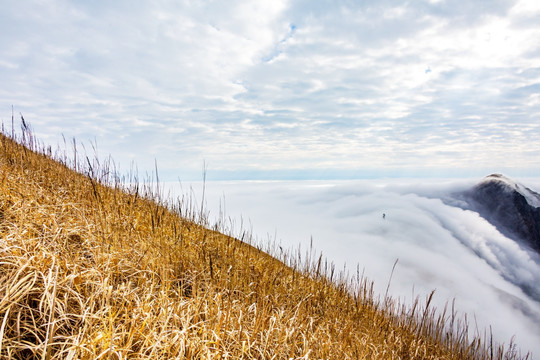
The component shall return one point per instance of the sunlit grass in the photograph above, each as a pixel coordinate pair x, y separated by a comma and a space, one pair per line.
98, 266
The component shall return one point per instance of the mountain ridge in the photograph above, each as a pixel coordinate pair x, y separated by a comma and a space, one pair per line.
511, 207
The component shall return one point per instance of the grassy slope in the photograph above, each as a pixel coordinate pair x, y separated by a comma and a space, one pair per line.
88, 270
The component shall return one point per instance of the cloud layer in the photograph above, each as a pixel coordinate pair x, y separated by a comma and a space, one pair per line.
280, 87
439, 245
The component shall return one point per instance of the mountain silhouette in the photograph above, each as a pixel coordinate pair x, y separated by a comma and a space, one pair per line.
511, 207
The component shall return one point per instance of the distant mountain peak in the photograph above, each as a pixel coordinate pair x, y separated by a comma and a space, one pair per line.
501, 180
511, 207
532, 197
496, 176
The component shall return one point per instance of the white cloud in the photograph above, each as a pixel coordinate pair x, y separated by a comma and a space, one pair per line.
439, 245
527, 8
281, 85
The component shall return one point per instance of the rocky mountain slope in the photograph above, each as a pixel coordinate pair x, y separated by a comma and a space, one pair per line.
511, 207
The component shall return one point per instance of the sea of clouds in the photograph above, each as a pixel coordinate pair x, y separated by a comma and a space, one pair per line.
438, 244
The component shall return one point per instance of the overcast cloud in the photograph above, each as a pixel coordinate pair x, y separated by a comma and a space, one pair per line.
286, 89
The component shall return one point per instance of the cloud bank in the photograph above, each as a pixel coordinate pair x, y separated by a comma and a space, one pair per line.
439, 246
274, 88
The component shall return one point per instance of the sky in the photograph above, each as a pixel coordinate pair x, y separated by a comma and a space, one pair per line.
281, 89
439, 244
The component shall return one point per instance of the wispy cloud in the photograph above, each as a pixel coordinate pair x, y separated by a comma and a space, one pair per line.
282, 85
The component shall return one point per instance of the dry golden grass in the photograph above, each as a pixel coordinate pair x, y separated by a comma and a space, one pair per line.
93, 268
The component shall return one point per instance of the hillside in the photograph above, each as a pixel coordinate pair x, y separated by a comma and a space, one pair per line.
511, 207
92, 267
